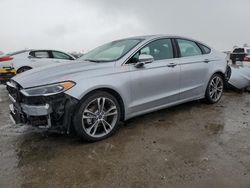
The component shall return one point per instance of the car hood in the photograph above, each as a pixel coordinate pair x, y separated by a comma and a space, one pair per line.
63, 72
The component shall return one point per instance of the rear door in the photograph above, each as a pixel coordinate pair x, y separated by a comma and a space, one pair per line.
194, 67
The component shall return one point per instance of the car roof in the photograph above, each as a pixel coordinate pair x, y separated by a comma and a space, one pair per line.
151, 37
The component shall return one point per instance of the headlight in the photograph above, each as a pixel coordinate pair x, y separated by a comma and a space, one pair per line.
48, 90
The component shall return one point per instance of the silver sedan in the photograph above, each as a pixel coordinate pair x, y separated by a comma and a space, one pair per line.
116, 82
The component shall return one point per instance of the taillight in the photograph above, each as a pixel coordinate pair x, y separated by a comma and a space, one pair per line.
246, 59
6, 58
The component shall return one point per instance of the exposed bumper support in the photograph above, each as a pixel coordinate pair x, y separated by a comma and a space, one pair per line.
31, 110
17, 114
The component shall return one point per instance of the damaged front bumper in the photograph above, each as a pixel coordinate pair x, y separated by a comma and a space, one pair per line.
47, 112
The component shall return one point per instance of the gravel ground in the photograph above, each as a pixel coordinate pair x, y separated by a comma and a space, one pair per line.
191, 145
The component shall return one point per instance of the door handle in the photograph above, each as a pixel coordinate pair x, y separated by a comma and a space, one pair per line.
206, 61
172, 65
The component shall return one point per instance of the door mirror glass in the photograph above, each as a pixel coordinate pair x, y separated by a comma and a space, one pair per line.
144, 59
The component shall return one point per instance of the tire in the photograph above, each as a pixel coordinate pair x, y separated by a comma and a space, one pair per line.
227, 77
228, 73
214, 89
94, 122
23, 69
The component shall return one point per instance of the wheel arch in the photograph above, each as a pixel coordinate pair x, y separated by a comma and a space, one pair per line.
221, 74
112, 92
25, 66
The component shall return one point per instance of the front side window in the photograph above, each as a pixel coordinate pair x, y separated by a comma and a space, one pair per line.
159, 49
60, 55
188, 48
111, 51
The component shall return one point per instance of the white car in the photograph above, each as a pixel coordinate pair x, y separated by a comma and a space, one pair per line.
24, 60
240, 54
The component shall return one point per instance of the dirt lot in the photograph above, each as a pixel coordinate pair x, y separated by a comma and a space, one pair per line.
192, 145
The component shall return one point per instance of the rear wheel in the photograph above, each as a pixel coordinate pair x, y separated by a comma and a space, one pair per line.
214, 89
97, 117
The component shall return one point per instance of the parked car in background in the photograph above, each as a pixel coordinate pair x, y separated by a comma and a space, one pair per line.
240, 54
240, 76
247, 58
115, 82
5, 73
21, 61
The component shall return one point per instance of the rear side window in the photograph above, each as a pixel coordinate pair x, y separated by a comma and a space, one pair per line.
188, 48
40, 54
60, 55
205, 49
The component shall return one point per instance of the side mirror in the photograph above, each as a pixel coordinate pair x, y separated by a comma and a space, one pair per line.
144, 59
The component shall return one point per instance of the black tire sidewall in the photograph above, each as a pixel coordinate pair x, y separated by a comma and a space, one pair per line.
207, 95
77, 121
23, 69
228, 74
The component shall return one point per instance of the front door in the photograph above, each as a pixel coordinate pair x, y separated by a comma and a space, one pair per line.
155, 84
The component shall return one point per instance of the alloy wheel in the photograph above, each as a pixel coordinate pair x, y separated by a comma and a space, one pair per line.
99, 117
216, 88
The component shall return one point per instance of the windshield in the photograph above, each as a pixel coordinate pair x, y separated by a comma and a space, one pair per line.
111, 51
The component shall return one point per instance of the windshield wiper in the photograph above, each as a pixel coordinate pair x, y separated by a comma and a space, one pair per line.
96, 61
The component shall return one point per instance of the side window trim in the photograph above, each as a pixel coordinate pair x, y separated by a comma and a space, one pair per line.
175, 48
32, 54
202, 49
178, 52
50, 54
153, 40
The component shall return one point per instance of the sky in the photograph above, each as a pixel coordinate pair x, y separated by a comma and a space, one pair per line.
81, 25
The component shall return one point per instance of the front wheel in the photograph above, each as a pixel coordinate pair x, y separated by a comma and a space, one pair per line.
97, 117
214, 89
